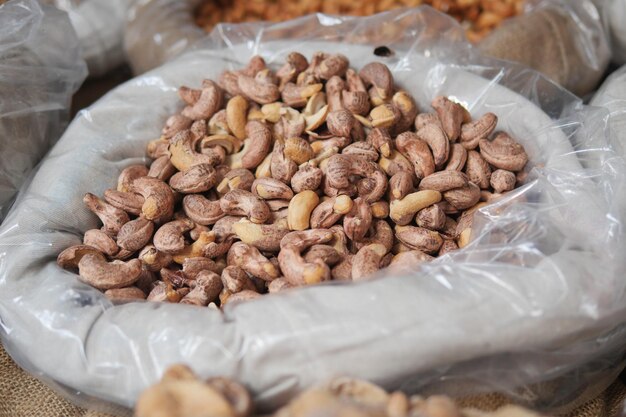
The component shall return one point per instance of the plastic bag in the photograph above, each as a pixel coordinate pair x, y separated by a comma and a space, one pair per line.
533, 307
100, 28
563, 39
40, 69
159, 30
612, 96
613, 15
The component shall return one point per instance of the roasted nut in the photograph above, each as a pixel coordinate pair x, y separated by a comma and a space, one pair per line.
330, 211
463, 197
169, 237
93, 269
252, 261
451, 115
357, 222
418, 152
130, 174
300, 209
255, 148
306, 178
432, 218
503, 152
265, 237
367, 261
271, 189
438, 142
419, 238
99, 240
402, 211
197, 179
135, 234
244, 203
378, 76
202, 210
502, 180
478, 170
158, 197
473, 132
209, 102
111, 217
296, 270
457, 158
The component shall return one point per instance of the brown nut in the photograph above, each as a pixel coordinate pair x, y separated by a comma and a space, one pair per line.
341, 123
125, 294
432, 217
298, 150
207, 288
408, 111
193, 266
255, 148
271, 189
278, 285
380, 209
502, 180
236, 394
153, 259
306, 178
380, 232
402, 211
258, 90
330, 211
367, 261
295, 63
175, 124
479, 129
419, 238
197, 179
111, 217
332, 65
443, 181
207, 104
135, 234
424, 119
162, 169
297, 95
128, 202
409, 259
235, 279
99, 240
363, 149
245, 295
157, 148
130, 174
244, 203
451, 115
355, 99
296, 270
357, 222
463, 197
300, 208
341, 167
229, 143
448, 246
359, 391
282, 167
457, 158
385, 116
169, 237
196, 249
250, 260
400, 184
265, 237
378, 75
380, 139
326, 253
418, 152
438, 142
235, 179
93, 269
202, 210
70, 257
478, 170
503, 152
394, 163
159, 198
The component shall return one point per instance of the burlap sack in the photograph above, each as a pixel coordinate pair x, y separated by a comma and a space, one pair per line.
563, 40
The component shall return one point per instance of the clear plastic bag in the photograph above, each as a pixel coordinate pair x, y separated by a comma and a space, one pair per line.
159, 30
40, 69
533, 307
563, 39
100, 28
613, 14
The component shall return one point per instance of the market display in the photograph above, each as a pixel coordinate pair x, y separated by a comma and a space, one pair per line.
267, 181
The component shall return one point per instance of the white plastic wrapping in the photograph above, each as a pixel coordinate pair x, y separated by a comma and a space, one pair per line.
612, 96
40, 69
613, 16
100, 28
533, 307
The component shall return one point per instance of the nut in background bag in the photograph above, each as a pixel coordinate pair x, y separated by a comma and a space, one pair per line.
564, 40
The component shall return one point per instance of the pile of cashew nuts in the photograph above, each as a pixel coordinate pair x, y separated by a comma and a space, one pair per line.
181, 393
271, 180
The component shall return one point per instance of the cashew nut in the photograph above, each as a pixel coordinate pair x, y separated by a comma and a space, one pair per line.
402, 211
111, 217
473, 132
135, 234
169, 237
419, 238
503, 152
367, 261
296, 270
306, 178
271, 189
159, 199
357, 222
379, 77
250, 260
99, 240
418, 152
265, 237
93, 269
255, 148
197, 179
478, 170
208, 103
300, 208
451, 115
244, 203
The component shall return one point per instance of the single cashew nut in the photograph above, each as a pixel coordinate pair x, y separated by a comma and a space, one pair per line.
244, 203
330, 211
451, 115
378, 75
125, 294
207, 104
419, 238
111, 217
438, 142
463, 197
207, 288
197, 179
202, 210
153, 259
479, 129
502, 180
300, 208
432, 217
193, 266
400, 184
504, 153
457, 158
128, 175
261, 92
159, 198
99, 240
70, 257
367, 261
93, 269
418, 152
255, 149
235, 279
409, 259
357, 222
271, 189
135, 234
402, 211
236, 112
306, 178
162, 169
380, 139
250, 260
169, 237
296, 270
478, 170
281, 167
265, 237
448, 246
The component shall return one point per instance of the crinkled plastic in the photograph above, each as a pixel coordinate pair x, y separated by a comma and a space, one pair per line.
159, 30
612, 96
533, 307
563, 39
613, 14
40, 69
100, 28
